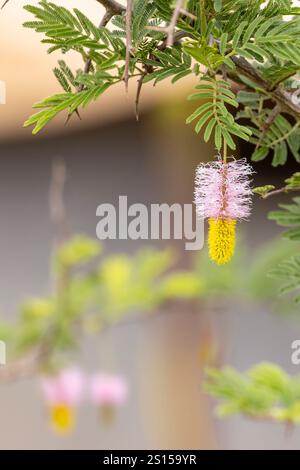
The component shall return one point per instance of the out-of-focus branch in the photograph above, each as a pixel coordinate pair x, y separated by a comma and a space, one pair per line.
56, 201
27, 366
170, 29
111, 6
6, 1
33, 361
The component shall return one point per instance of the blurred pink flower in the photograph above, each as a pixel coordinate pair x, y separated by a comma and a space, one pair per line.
63, 392
66, 387
108, 390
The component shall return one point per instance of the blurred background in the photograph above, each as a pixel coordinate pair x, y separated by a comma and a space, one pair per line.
108, 154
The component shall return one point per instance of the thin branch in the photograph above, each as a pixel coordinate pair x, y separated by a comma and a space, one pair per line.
112, 8
177, 37
271, 118
148, 68
173, 22
268, 123
170, 29
284, 189
188, 14
286, 135
138, 93
6, 1
128, 42
285, 99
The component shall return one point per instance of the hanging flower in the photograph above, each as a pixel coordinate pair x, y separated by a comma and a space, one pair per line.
63, 393
223, 195
108, 392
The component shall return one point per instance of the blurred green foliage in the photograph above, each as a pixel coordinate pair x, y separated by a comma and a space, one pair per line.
222, 281
288, 270
248, 276
265, 392
77, 251
92, 293
262, 285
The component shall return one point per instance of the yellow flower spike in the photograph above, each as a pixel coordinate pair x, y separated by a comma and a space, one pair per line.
221, 239
62, 418
223, 196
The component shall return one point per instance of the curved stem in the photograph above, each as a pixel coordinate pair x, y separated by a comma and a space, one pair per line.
286, 135
282, 190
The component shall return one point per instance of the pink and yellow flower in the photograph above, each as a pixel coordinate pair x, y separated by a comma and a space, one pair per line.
108, 392
63, 392
223, 195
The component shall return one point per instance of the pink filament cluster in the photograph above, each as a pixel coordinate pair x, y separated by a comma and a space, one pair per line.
222, 190
69, 386
64, 388
108, 390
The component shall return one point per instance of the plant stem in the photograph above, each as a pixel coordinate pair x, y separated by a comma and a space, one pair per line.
285, 189
224, 151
